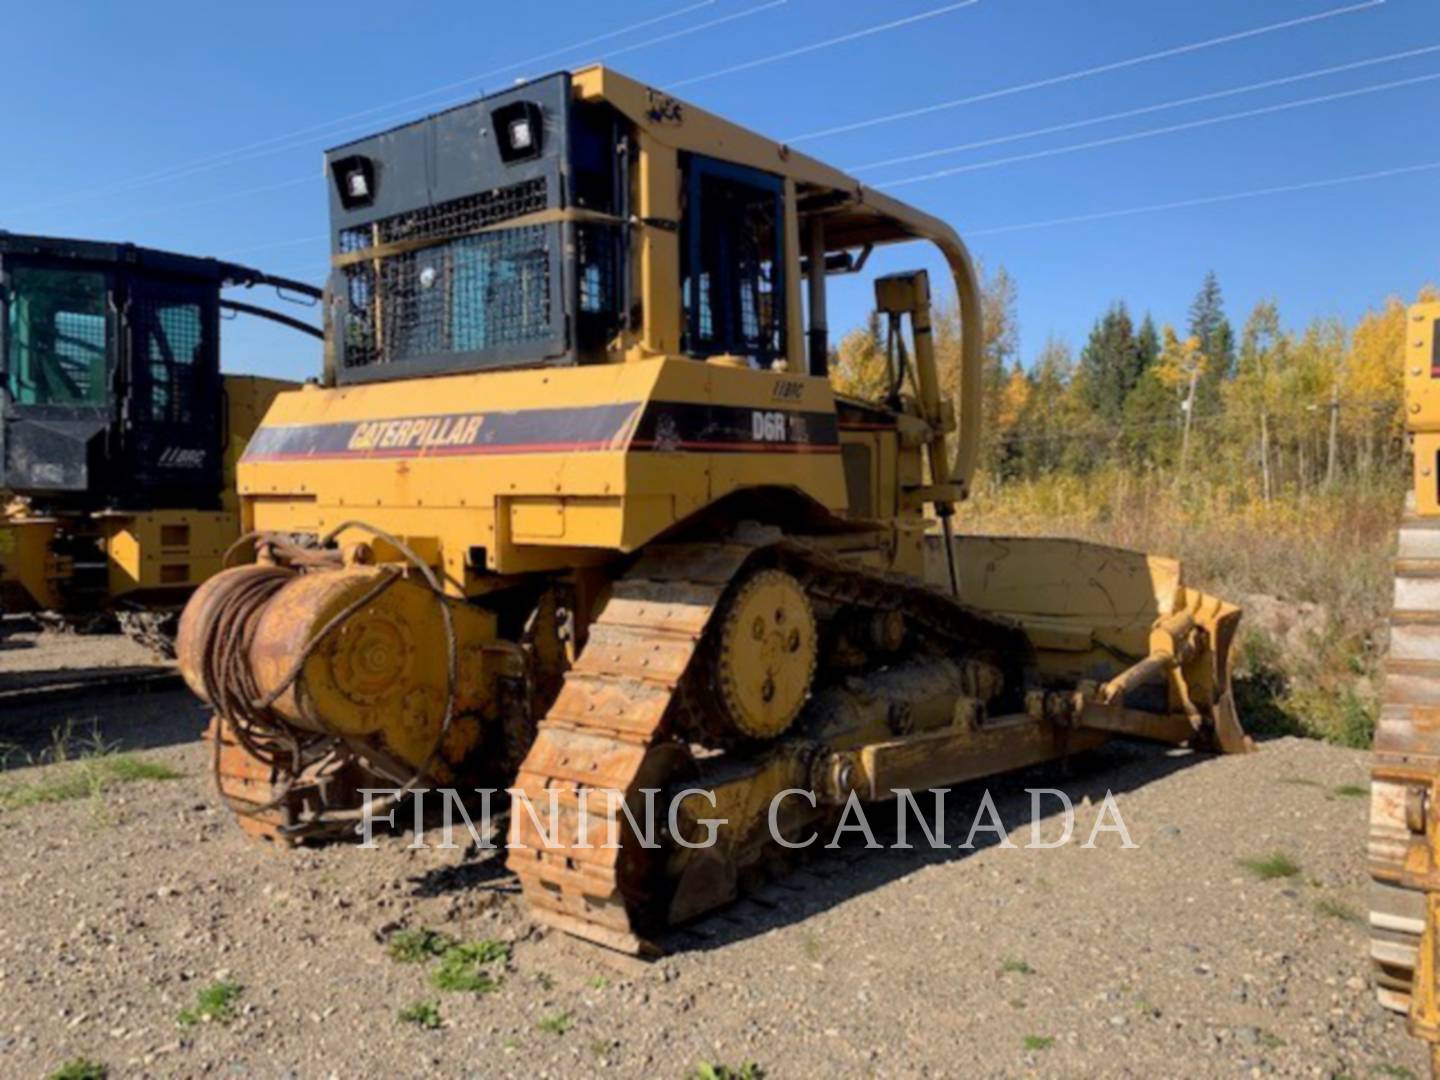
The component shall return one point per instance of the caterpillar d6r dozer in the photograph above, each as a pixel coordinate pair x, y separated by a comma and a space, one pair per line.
1404, 849
577, 508
118, 434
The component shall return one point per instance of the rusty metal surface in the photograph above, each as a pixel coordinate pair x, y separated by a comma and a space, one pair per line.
607, 723
1406, 760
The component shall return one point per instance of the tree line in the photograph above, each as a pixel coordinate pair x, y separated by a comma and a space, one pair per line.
1269, 409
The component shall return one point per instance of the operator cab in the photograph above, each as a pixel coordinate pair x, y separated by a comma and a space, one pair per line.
536, 228
110, 389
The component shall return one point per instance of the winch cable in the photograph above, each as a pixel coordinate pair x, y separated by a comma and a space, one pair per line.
230, 687
382, 807
230, 684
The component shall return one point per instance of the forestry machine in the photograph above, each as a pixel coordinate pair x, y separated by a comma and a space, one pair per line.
1404, 849
576, 510
118, 434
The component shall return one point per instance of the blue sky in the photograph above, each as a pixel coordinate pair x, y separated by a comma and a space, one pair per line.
200, 128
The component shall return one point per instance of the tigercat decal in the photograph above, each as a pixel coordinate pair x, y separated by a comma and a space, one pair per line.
654, 426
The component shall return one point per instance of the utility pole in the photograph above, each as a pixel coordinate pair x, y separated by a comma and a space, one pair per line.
1265, 453
1189, 408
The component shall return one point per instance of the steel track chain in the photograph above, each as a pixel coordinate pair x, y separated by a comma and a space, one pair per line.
612, 726
1406, 758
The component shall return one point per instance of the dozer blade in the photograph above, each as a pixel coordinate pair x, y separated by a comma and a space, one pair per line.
1148, 654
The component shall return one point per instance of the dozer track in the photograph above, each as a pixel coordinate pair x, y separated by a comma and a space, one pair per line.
1406, 760
619, 721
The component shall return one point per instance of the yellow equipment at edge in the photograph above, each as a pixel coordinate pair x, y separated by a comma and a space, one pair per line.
153, 558
119, 435
1404, 847
577, 510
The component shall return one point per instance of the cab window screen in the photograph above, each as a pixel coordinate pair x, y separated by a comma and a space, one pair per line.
479, 288
733, 262
171, 339
57, 337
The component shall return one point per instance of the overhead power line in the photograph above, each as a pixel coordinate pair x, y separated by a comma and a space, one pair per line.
827, 43
1145, 110
322, 131
1085, 73
222, 197
382, 122
1170, 129
294, 241
1208, 200
470, 80
1070, 149
973, 167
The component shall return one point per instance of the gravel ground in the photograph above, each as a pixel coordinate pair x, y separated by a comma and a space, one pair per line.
24, 649
1166, 960
31, 657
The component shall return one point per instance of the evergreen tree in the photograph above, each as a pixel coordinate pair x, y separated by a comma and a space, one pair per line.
1210, 326
1111, 363
1051, 415
1149, 340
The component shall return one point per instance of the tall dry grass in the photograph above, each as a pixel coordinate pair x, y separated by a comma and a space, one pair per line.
1306, 664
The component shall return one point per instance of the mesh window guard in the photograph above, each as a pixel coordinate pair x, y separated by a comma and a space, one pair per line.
171, 336
471, 291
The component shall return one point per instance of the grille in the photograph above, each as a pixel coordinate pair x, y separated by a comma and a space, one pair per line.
469, 292
79, 343
171, 339
454, 218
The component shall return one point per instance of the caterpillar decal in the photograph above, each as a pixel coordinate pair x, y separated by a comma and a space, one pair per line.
659, 426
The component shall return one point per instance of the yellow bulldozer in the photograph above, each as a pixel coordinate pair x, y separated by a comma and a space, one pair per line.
1404, 846
576, 510
118, 433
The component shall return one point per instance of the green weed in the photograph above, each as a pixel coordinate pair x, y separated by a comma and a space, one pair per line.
1337, 910
747, 1071
464, 968
557, 1024
423, 1014
1270, 867
80, 1069
84, 778
416, 946
214, 1004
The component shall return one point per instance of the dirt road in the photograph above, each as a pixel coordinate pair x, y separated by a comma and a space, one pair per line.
118, 908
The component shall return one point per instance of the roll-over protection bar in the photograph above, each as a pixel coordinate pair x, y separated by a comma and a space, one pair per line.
972, 355
922, 226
